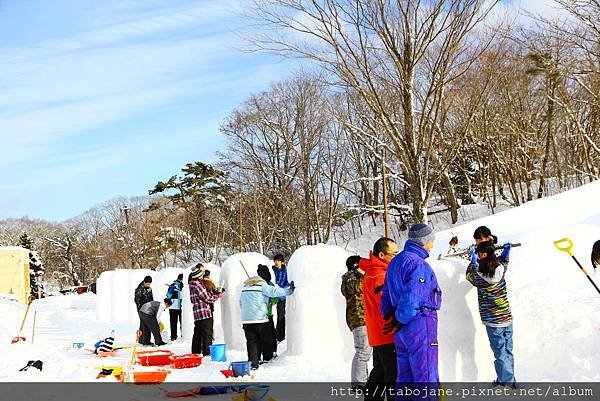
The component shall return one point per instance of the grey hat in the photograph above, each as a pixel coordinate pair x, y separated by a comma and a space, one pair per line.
421, 234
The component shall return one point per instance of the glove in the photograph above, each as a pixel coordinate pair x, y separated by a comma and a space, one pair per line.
506, 250
474, 257
292, 286
391, 326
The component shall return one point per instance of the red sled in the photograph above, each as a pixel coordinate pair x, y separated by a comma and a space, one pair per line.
186, 361
154, 358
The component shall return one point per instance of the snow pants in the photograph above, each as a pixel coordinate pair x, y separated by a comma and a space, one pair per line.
174, 317
203, 336
417, 356
362, 354
268, 340
149, 324
382, 376
255, 341
280, 329
502, 345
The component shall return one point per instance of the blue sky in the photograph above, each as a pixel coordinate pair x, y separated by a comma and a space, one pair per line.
100, 99
103, 98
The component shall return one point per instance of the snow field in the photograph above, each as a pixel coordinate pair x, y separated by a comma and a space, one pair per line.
556, 311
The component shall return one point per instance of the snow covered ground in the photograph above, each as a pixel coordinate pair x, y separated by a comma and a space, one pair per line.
556, 310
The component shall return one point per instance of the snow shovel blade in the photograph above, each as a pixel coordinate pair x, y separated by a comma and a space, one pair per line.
565, 245
19, 337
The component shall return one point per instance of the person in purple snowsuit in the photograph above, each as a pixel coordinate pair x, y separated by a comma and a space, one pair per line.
410, 301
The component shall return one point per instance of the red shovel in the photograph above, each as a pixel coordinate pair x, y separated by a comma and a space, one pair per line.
19, 337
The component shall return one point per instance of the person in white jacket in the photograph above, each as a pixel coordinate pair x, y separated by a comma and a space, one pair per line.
149, 316
253, 301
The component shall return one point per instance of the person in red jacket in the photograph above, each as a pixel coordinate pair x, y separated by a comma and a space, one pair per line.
384, 352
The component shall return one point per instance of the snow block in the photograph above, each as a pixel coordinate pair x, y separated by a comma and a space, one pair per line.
116, 291
315, 313
232, 277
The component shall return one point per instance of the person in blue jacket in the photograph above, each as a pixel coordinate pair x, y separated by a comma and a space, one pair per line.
174, 293
281, 279
410, 301
256, 294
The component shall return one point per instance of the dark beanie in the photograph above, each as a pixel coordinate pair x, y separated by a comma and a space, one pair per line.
352, 262
264, 273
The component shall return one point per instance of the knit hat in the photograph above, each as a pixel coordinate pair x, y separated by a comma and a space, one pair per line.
352, 262
196, 273
421, 234
264, 273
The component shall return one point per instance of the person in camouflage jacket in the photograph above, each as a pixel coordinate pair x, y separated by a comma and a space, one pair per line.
352, 290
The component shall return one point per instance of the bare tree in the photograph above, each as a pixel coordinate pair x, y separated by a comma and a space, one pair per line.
399, 57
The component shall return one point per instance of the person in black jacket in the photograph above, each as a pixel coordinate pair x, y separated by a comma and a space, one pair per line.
596, 255
143, 294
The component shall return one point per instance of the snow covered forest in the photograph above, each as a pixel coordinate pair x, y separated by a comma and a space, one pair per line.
432, 107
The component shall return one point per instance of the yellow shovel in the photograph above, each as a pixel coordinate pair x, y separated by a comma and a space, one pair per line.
566, 245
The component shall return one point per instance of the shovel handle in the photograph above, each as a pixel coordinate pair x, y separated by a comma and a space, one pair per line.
24, 317
138, 334
565, 245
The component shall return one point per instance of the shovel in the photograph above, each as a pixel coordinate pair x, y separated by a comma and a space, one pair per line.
566, 245
138, 334
19, 337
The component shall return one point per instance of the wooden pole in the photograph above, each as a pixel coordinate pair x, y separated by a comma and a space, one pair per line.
241, 237
33, 329
386, 219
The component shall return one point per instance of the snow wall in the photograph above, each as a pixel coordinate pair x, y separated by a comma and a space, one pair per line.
556, 311
315, 313
232, 278
115, 291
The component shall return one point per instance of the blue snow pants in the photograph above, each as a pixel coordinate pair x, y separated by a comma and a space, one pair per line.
417, 357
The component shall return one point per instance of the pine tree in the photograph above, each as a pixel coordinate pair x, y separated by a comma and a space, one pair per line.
36, 267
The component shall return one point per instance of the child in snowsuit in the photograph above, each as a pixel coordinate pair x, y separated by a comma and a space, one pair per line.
253, 302
487, 273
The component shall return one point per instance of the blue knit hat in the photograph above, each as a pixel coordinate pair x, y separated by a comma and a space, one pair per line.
421, 234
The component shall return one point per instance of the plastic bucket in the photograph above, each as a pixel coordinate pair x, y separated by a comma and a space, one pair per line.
218, 352
241, 368
257, 392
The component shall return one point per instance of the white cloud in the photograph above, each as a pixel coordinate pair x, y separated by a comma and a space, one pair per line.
123, 61
51, 94
521, 11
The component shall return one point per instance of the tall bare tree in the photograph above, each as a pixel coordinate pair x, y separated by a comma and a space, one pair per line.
399, 57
